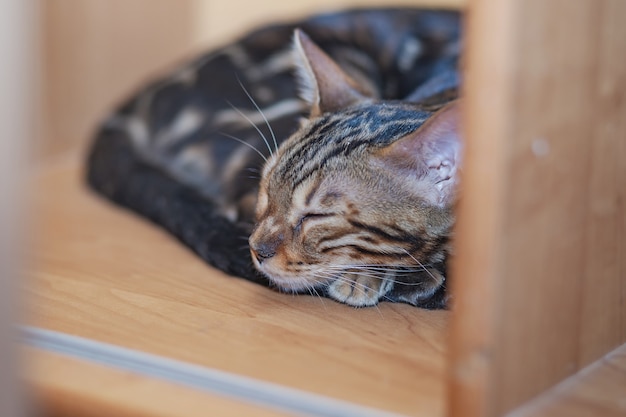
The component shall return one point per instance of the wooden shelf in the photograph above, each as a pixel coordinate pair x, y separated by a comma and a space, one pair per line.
540, 240
597, 391
67, 386
104, 274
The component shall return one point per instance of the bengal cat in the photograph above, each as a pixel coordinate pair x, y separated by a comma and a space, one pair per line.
316, 157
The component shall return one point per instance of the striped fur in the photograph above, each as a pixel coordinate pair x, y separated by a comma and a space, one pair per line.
330, 218
336, 207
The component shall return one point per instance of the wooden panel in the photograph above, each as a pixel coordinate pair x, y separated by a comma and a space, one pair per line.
543, 259
60, 388
97, 51
486, 118
105, 274
538, 279
603, 312
597, 391
213, 27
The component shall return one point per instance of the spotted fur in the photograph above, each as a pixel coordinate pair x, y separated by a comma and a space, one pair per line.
302, 146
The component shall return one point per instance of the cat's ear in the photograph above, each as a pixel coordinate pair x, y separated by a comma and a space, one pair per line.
321, 80
431, 156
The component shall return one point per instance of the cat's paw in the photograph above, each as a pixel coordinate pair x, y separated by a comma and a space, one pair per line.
359, 291
425, 289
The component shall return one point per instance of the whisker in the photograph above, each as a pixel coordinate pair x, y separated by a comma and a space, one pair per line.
242, 114
324, 275
261, 112
380, 313
425, 269
381, 267
319, 296
351, 282
363, 287
245, 143
365, 272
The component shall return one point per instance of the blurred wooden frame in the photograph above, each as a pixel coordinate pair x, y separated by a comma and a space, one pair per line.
540, 273
541, 269
18, 123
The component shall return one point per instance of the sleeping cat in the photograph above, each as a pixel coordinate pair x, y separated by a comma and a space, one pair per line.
331, 145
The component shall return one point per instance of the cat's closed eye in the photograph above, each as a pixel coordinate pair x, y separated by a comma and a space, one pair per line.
307, 217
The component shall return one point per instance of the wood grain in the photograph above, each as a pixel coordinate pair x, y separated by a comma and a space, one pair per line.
105, 274
597, 391
95, 52
603, 309
61, 388
476, 266
212, 27
543, 200
542, 264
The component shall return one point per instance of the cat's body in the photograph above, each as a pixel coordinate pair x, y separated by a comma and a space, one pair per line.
333, 216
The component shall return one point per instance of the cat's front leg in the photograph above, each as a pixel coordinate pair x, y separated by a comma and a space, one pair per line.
358, 290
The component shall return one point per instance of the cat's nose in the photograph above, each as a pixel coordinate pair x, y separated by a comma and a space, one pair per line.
263, 251
261, 254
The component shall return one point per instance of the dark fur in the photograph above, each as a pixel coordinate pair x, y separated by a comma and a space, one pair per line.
186, 203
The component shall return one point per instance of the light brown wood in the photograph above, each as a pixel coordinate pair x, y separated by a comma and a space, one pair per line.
541, 266
65, 386
212, 26
597, 391
97, 277
603, 311
475, 268
95, 52
540, 279
105, 274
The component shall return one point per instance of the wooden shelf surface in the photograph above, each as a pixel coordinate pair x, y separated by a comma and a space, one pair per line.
596, 391
87, 389
102, 273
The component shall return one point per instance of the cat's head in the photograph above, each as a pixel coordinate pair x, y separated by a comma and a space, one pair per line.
364, 187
